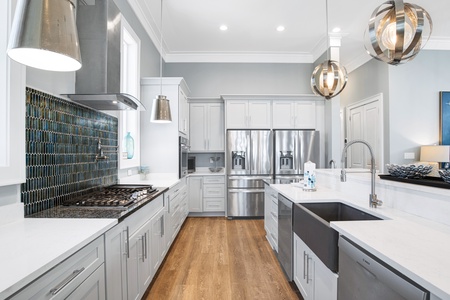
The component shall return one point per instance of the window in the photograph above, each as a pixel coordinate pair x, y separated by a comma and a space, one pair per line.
130, 84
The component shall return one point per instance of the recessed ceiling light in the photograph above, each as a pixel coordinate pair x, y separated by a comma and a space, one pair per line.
280, 28
336, 29
115, 102
223, 27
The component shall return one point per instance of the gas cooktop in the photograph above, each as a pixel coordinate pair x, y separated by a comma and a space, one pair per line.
119, 195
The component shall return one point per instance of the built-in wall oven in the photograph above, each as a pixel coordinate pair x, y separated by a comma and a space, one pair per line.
183, 149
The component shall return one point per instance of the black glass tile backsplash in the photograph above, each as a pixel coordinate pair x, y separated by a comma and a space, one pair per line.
62, 140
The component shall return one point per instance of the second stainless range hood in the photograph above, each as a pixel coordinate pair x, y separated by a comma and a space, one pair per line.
98, 81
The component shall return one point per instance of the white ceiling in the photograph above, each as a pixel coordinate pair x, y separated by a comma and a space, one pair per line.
191, 29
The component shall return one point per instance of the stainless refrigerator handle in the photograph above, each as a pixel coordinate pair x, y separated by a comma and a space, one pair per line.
248, 191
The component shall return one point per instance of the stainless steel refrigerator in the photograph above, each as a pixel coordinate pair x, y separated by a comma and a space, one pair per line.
292, 149
249, 161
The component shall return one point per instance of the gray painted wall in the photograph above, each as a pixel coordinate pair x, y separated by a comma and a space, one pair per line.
411, 100
414, 102
215, 79
368, 80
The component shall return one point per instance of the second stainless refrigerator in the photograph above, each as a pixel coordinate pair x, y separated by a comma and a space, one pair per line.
249, 161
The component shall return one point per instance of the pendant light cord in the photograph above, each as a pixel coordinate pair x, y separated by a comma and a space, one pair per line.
328, 38
161, 47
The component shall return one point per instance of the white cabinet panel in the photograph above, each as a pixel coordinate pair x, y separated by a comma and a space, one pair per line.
271, 216
207, 127
312, 277
243, 114
93, 288
195, 194
299, 114
237, 114
259, 114
183, 114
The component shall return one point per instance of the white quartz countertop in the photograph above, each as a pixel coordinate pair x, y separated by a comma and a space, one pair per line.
30, 247
418, 248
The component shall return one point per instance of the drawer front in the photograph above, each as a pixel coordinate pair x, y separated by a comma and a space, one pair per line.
213, 205
213, 179
140, 217
214, 190
61, 281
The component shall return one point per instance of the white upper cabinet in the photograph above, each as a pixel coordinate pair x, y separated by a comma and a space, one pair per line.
12, 108
183, 114
206, 127
243, 114
129, 129
299, 114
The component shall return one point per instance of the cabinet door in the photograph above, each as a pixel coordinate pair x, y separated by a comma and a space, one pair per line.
93, 288
215, 126
116, 262
157, 249
283, 115
302, 268
198, 130
133, 280
195, 193
305, 115
259, 114
325, 282
183, 113
237, 114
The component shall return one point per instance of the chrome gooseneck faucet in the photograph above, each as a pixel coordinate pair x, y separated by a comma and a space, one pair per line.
373, 200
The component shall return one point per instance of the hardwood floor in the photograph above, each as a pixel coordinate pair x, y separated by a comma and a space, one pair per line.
216, 258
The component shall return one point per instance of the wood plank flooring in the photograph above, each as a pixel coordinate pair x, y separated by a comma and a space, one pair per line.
216, 258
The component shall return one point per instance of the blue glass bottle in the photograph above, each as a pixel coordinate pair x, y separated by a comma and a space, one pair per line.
129, 145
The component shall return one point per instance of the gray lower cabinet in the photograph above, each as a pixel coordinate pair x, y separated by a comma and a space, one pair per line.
206, 194
81, 276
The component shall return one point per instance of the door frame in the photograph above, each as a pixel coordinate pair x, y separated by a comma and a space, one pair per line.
375, 98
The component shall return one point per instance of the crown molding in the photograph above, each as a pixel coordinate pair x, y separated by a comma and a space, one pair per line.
244, 57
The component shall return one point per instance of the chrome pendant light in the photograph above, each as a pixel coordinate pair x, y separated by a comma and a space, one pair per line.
161, 105
329, 78
44, 35
397, 31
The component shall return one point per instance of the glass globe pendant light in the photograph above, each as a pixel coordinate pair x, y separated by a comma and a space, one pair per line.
397, 31
329, 78
161, 105
44, 35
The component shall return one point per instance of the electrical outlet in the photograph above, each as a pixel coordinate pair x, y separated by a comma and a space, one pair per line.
409, 155
129, 172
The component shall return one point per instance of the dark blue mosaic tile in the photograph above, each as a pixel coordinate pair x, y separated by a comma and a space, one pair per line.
61, 144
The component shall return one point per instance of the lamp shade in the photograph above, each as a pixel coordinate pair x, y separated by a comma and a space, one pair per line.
161, 110
44, 35
436, 153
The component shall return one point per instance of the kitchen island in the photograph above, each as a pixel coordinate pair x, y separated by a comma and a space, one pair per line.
417, 245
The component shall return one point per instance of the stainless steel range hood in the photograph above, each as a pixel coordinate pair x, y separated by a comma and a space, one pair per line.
98, 81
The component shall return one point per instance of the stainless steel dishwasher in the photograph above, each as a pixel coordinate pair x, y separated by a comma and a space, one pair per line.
362, 276
285, 240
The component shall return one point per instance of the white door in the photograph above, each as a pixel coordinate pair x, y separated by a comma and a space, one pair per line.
365, 121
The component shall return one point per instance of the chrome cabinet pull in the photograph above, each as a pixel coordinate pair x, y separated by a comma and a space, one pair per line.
307, 267
143, 247
146, 247
162, 225
304, 265
128, 242
66, 281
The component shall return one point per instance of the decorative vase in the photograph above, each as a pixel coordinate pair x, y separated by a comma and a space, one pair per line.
129, 145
